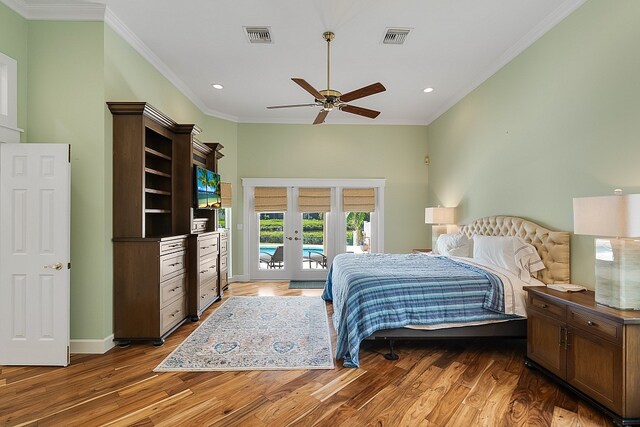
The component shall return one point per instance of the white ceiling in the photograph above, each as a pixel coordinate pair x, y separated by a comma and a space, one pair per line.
454, 46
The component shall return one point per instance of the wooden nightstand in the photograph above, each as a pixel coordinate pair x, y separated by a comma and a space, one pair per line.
417, 251
592, 349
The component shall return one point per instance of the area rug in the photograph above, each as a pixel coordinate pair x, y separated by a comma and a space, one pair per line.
306, 284
257, 333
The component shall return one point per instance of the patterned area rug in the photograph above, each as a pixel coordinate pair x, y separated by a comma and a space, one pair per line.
257, 333
306, 284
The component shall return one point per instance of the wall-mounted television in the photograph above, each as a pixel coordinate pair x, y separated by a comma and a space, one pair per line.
206, 188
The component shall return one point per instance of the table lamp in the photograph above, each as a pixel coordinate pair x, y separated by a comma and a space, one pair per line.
616, 217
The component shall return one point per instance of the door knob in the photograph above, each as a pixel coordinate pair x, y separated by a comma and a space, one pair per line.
56, 266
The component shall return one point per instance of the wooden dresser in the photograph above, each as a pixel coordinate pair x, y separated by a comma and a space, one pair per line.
152, 282
204, 272
592, 349
224, 261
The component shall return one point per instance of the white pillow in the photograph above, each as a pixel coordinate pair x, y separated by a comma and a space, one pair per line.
510, 253
453, 245
527, 258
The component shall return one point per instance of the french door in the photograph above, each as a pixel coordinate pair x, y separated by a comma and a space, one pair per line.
289, 244
293, 243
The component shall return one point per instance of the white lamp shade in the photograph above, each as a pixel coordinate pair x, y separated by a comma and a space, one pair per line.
611, 216
439, 215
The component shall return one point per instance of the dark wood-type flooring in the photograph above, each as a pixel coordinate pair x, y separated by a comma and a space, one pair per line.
435, 383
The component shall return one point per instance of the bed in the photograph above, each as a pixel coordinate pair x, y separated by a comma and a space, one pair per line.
413, 296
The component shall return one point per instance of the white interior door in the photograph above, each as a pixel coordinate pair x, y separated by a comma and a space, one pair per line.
34, 254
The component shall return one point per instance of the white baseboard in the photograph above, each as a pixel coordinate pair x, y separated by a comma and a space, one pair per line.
92, 346
241, 278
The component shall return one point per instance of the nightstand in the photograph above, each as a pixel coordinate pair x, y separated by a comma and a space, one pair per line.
592, 349
417, 251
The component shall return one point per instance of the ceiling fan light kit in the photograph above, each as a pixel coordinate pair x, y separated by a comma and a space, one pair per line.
329, 99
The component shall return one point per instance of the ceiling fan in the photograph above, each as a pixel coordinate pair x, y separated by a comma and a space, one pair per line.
329, 99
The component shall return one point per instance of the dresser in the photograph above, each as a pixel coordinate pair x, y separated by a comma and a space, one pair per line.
204, 262
592, 349
224, 260
152, 283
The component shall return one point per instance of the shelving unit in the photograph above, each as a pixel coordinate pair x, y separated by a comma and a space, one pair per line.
166, 257
152, 178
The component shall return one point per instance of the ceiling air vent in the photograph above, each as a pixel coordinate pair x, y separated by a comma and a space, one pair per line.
258, 34
396, 35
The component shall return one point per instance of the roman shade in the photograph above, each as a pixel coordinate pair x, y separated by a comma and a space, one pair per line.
270, 199
225, 194
314, 199
359, 200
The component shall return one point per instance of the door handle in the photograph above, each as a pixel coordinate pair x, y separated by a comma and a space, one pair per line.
56, 266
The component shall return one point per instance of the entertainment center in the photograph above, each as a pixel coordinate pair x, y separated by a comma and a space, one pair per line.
169, 258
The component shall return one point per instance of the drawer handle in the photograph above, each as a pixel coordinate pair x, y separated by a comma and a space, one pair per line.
203, 271
173, 246
212, 267
174, 289
591, 323
174, 313
174, 264
545, 306
203, 296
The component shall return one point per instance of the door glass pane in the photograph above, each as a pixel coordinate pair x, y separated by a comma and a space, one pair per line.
358, 232
271, 230
314, 241
222, 218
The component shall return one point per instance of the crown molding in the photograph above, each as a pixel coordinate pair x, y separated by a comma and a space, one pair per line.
550, 21
58, 12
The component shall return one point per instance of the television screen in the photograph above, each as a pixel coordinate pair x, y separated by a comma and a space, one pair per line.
207, 188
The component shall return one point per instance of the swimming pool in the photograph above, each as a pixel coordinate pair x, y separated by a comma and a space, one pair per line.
305, 250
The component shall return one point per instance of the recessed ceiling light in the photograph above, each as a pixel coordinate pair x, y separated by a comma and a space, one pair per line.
427, 90
217, 86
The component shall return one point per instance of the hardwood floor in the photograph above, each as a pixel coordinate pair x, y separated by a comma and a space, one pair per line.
435, 383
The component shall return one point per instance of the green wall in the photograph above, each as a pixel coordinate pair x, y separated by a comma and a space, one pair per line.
13, 42
561, 120
348, 151
64, 104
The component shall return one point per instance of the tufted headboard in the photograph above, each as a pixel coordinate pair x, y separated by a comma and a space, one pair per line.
553, 246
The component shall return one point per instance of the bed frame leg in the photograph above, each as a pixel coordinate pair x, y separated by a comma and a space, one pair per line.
391, 355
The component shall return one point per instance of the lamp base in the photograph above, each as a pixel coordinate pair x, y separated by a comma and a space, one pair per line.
618, 273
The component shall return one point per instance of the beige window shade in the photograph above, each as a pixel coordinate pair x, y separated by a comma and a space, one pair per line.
225, 193
359, 200
270, 199
314, 199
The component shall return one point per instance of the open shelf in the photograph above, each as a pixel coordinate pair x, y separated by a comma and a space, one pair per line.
159, 192
156, 153
156, 172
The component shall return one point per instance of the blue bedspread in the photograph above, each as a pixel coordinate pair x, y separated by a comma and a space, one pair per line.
371, 292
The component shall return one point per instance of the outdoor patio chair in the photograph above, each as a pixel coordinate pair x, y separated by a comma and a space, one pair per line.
318, 257
274, 260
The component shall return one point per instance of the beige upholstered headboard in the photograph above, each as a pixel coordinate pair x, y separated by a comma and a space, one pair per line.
553, 246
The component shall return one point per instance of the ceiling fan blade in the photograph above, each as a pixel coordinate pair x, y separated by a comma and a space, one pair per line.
362, 92
306, 86
320, 117
372, 114
291, 106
